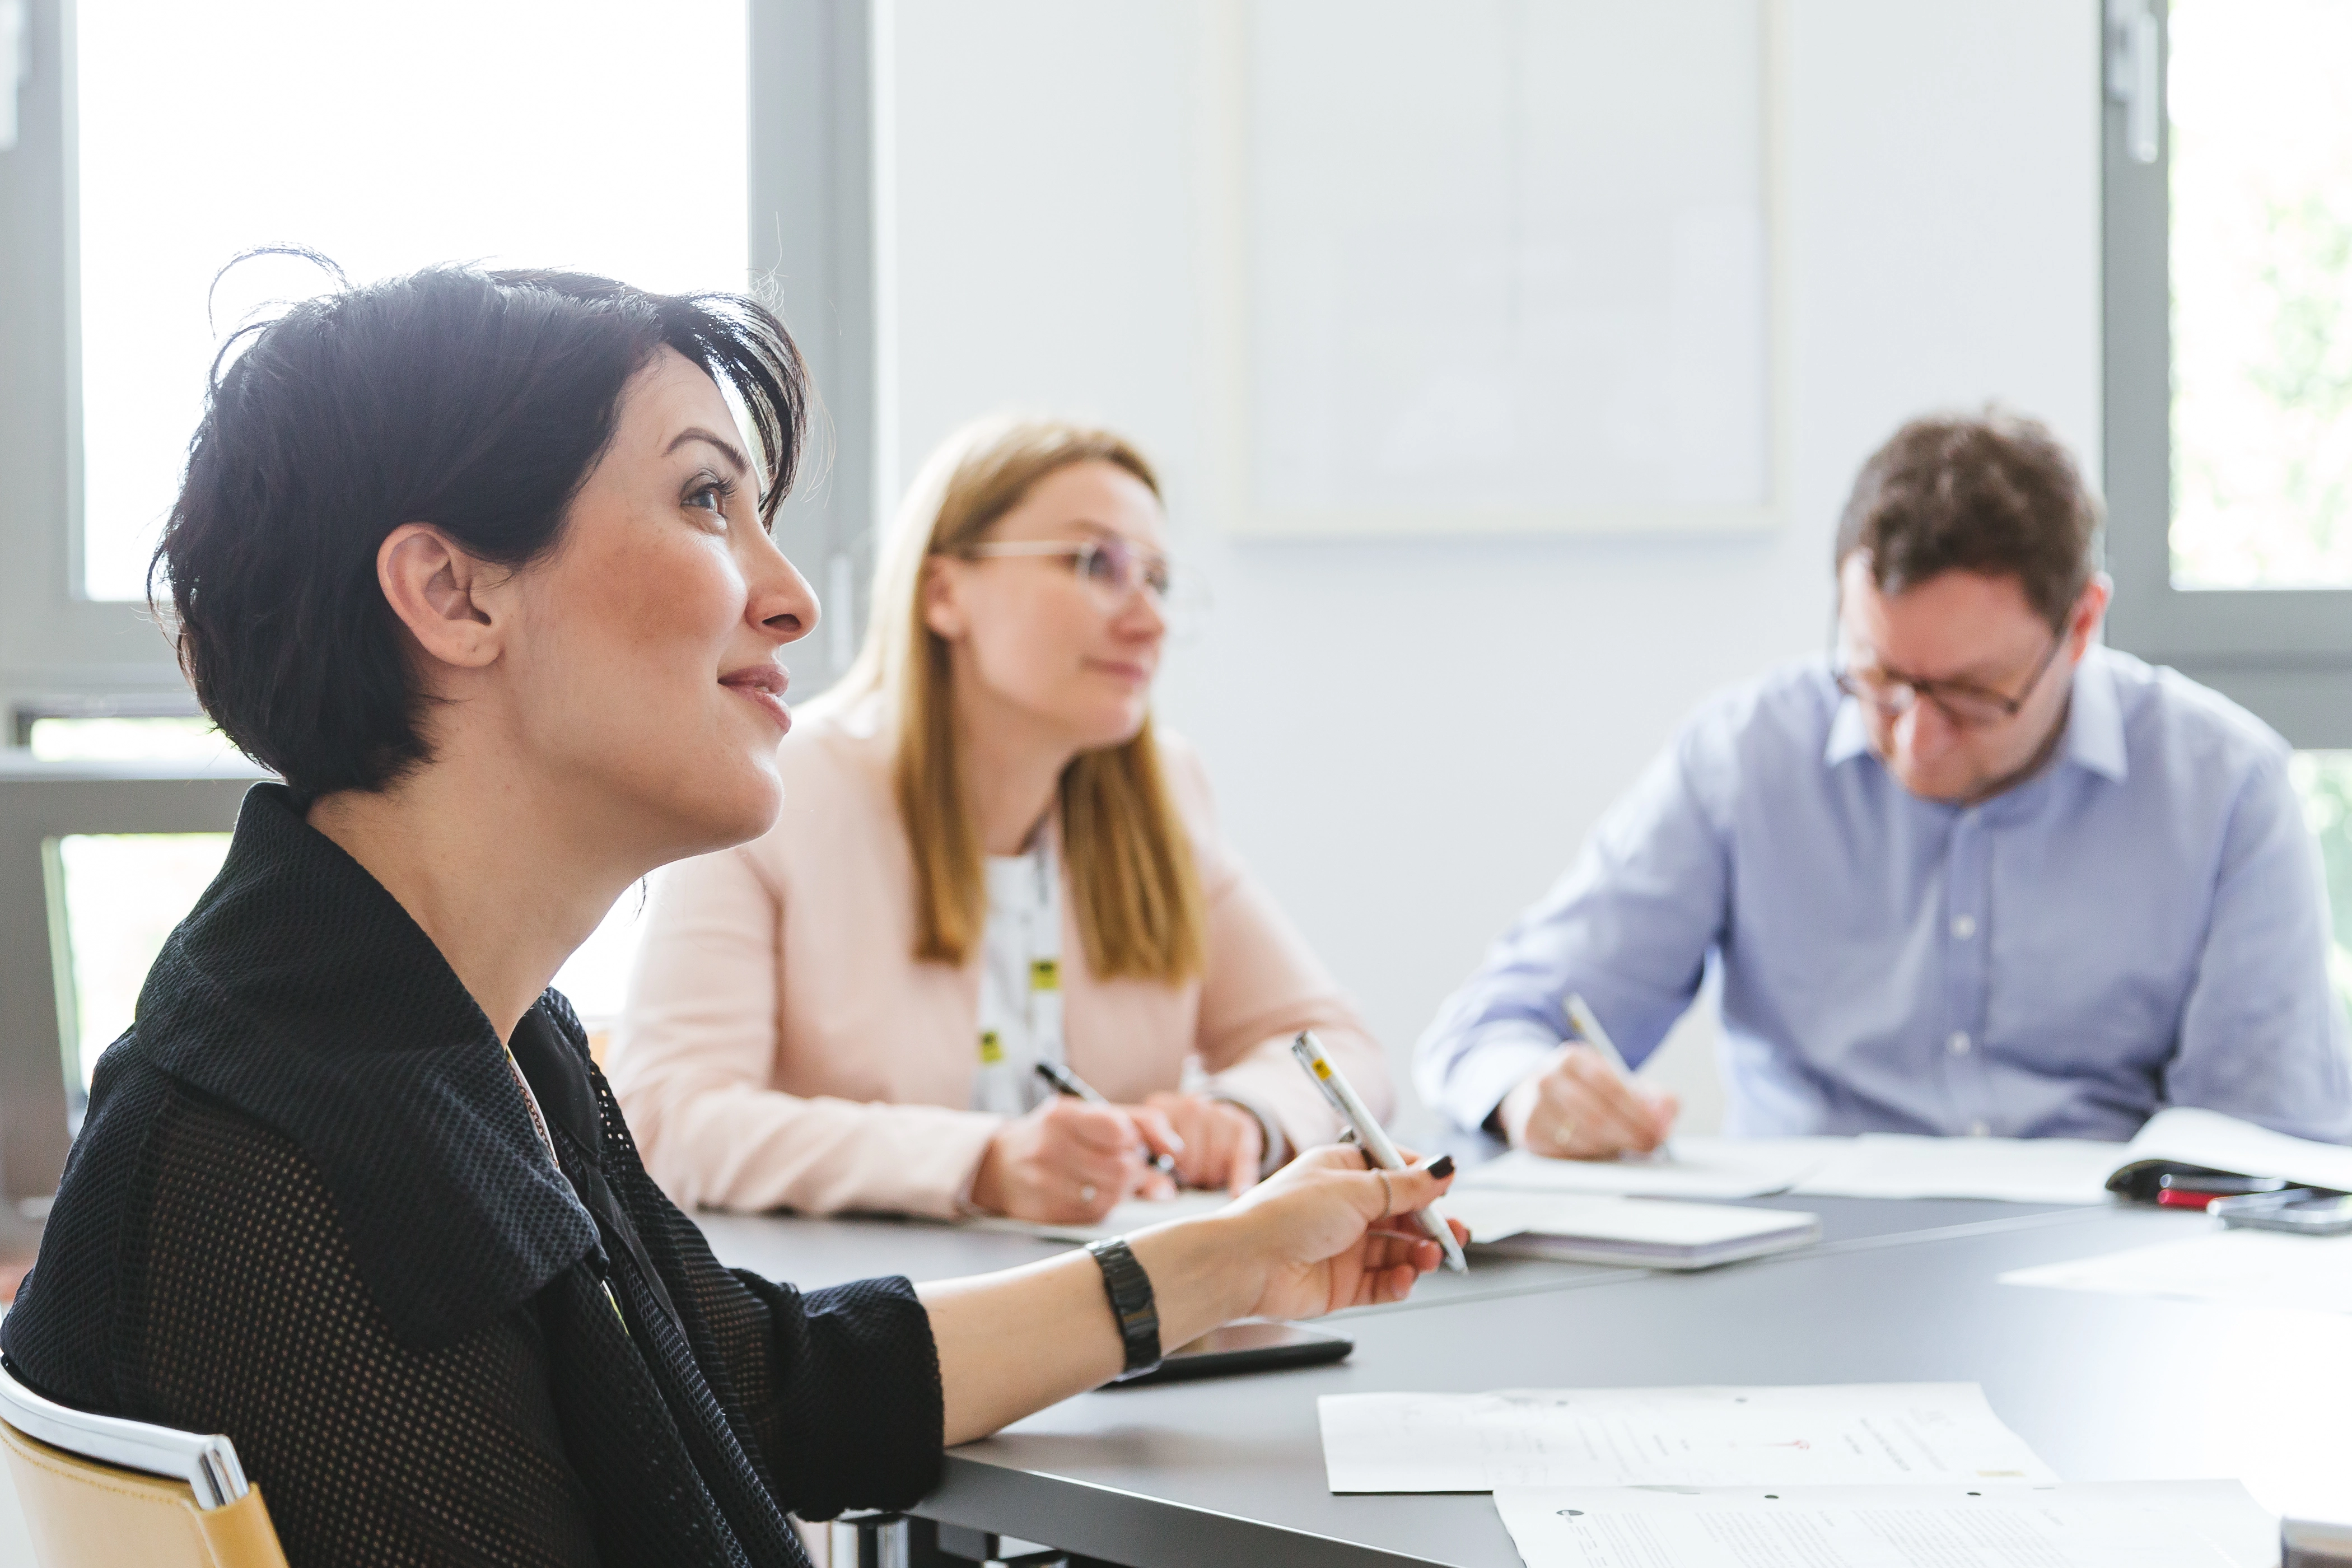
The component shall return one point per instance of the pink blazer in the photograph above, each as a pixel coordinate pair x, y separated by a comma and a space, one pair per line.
782, 1046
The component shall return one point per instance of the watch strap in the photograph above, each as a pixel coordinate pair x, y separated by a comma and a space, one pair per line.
1130, 1289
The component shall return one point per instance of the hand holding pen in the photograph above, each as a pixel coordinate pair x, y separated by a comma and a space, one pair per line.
1380, 1154
1582, 1101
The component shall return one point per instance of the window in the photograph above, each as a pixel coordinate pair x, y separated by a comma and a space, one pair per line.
156, 142
2324, 779
2229, 349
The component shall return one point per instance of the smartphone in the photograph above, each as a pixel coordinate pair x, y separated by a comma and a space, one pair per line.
1255, 1345
2298, 1210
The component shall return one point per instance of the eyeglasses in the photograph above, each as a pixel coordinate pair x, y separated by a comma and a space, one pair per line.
1968, 705
1112, 568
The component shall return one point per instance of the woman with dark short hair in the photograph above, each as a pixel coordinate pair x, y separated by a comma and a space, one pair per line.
480, 562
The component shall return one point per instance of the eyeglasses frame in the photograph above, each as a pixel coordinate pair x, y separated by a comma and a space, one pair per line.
1924, 690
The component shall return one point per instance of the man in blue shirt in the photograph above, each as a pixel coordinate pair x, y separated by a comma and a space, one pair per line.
1976, 873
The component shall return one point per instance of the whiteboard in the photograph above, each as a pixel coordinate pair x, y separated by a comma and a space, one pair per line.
1503, 265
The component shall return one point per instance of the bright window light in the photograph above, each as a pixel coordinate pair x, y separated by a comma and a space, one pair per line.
601, 134
2324, 779
2262, 293
122, 893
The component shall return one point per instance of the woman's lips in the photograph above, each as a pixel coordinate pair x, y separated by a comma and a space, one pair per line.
1119, 669
762, 685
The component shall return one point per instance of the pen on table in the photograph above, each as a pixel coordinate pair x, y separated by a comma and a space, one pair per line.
1369, 1134
1064, 1081
1588, 1029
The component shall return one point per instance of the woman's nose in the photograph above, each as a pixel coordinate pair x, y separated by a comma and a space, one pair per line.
782, 604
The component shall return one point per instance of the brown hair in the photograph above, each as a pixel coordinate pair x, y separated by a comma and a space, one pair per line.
1995, 494
1139, 906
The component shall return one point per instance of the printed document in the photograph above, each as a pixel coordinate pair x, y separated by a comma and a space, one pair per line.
1698, 1168
1827, 1435
2012, 1170
2240, 1268
1495, 1214
2109, 1524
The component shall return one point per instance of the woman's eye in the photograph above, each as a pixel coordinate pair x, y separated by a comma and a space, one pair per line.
1100, 565
710, 498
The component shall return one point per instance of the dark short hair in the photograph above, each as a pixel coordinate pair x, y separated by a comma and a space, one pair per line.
1995, 493
476, 401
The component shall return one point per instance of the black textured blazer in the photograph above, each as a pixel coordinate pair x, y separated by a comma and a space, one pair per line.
309, 1208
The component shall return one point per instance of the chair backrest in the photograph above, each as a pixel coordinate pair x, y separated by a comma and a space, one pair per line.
98, 1491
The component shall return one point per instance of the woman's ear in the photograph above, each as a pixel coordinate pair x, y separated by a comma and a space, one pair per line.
942, 598
448, 599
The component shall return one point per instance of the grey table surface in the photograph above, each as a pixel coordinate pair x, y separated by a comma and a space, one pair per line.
812, 1253
1231, 1471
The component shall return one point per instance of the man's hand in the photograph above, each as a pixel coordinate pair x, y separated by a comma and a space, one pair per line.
1223, 1146
1067, 1163
1578, 1107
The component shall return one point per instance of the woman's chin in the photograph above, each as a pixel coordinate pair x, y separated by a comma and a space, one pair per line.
731, 806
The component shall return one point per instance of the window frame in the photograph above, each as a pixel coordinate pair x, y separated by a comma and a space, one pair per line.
2284, 653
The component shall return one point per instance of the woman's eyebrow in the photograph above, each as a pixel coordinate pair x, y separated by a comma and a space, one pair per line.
727, 448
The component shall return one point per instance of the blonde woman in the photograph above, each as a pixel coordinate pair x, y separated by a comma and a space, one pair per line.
986, 858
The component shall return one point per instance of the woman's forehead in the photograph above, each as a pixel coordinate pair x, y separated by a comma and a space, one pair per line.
1092, 497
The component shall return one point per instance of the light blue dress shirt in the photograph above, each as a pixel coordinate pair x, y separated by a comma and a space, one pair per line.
2142, 923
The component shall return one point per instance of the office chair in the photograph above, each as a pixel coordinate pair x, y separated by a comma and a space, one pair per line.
98, 1491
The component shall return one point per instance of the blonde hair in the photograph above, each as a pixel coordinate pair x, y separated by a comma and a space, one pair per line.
1139, 907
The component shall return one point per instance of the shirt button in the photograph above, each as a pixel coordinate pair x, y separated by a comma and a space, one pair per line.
1980, 1129
1964, 926
1959, 1042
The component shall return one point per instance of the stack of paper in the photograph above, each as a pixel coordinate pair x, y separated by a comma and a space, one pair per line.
2242, 1268
2012, 1170
2116, 1524
1645, 1233
1836, 1434
1701, 1168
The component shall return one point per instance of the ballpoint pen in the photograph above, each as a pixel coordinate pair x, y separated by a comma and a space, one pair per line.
1588, 1029
1064, 1081
1368, 1136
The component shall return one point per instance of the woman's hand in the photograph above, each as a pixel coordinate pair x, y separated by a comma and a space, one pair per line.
1067, 1162
1223, 1146
1320, 1233
1326, 1233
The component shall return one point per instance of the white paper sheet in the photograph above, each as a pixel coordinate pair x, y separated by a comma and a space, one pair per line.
2010, 1170
1829, 1435
1495, 1214
1698, 1168
1131, 1216
2242, 1268
2112, 1524
2208, 1138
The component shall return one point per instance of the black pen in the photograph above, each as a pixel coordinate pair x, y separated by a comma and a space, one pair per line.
1064, 1081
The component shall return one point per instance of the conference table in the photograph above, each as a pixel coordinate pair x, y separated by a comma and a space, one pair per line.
1230, 1470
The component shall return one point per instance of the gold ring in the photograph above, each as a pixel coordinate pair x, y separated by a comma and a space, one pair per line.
1388, 1194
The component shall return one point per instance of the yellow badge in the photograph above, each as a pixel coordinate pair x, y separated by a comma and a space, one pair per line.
992, 1049
1044, 974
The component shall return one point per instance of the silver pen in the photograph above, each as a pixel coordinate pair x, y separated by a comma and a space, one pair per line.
1588, 1029
1369, 1136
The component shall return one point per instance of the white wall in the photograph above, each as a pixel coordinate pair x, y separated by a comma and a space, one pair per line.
1410, 737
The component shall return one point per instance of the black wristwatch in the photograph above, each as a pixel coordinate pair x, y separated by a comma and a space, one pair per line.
1130, 1289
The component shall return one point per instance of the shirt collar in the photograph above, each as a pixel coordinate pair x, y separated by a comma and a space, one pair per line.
298, 992
2095, 723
